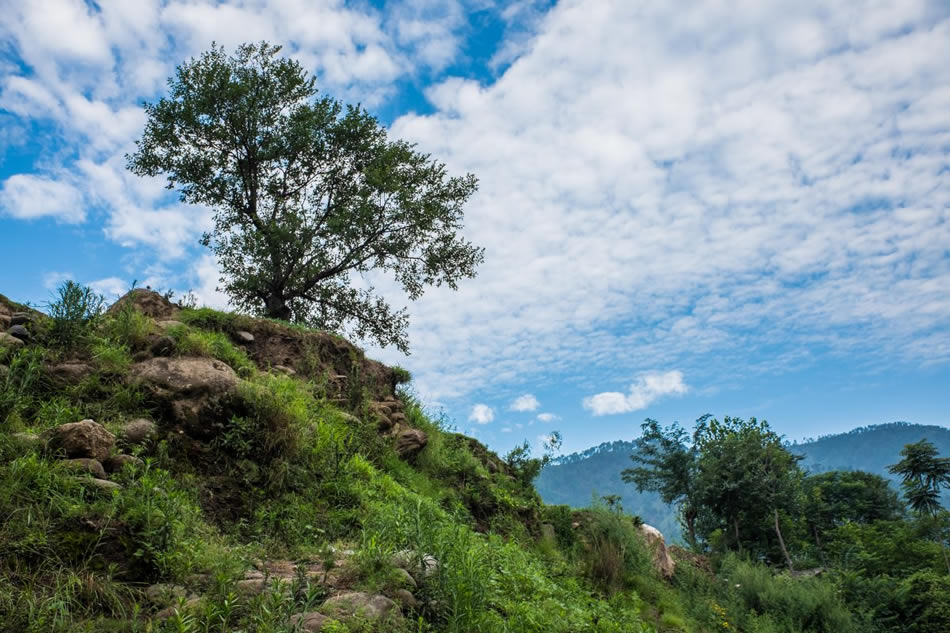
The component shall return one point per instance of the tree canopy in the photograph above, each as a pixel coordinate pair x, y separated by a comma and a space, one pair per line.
306, 193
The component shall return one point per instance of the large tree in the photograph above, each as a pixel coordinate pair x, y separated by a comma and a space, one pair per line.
306, 193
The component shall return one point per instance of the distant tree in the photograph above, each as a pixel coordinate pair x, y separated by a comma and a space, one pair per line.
746, 479
837, 497
923, 474
667, 465
306, 193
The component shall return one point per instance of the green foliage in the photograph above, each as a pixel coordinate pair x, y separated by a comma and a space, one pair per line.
835, 498
111, 358
401, 376
19, 384
923, 475
211, 344
305, 192
73, 314
127, 326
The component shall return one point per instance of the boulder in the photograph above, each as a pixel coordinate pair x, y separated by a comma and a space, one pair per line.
404, 578
148, 302
21, 318
409, 442
116, 463
356, 604
19, 332
419, 566
102, 484
311, 622
406, 599
8, 340
69, 373
85, 439
86, 465
662, 561
194, 390
183, 607
243, 337
137, 431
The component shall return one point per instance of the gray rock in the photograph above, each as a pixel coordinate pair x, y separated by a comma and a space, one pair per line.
20, 318
356, 604
165, 593
137, 431
20, 332
102, 484
311, 622
168, 323
194, 389
71, 373
243, 337
418, 566
406, 599
27, 440
405, 578
189, 605
84, 464
8, 340
82, 439
410, 442
116, 463
289, 371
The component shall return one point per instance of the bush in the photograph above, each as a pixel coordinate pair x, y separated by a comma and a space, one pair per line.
73, 314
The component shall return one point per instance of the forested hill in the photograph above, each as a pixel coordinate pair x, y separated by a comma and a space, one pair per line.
575, 478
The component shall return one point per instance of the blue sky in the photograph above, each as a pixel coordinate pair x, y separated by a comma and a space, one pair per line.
686, 208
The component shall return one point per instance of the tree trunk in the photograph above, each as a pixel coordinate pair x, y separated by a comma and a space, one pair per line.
781, 541
735, 525
691, 526
277, 308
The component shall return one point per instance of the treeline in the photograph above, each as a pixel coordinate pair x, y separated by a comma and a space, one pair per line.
740, 490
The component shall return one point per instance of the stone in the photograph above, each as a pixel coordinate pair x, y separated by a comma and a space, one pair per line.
137, 431
405, 578
311, 622
243, 337
102, 484
27, 440
168, 324
163, 346
357, 604
251, 586
194, 389
165, 593
84, 464
148, 302
116, 463
284, 370
406, 599
82, 439
20, 318
19, 333
662, 561
4, 321
169, 612
547, 533
69, 373
418, 566
410, 442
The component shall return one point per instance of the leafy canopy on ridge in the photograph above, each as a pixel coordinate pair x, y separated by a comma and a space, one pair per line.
306, 193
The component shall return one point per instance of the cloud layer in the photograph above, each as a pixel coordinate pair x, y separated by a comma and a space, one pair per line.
645, 390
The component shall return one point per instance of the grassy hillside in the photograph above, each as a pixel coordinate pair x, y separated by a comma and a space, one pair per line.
170, 469
575, 478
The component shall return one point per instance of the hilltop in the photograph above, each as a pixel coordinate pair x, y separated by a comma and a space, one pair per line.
166, 468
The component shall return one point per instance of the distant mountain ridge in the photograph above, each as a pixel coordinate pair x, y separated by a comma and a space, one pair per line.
577, 478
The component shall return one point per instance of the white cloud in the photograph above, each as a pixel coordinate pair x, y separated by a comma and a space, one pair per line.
527, 402
28, 197
548, 417
646, 389
111, 287
52, 280
482, 414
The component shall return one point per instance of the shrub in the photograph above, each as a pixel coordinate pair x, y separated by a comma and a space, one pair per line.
73, 314
127, 326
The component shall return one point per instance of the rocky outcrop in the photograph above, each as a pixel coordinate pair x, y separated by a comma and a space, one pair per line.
374, 608
85, 439
137, 432
69, 373
195, 391
410, 442
148, 302
662, 561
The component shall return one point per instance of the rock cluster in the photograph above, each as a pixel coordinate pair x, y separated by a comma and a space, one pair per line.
17, 331
86, 447
391, 421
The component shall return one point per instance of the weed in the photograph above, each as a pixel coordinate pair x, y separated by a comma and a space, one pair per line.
73, 314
